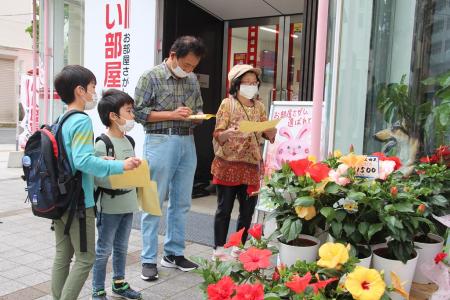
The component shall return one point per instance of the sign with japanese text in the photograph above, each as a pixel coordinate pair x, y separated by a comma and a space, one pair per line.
120, 46
370, 168
239, 58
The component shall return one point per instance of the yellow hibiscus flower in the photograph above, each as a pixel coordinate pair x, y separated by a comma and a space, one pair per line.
337, 153
306, 212
352, 160
398, 286
332, 255
365, 284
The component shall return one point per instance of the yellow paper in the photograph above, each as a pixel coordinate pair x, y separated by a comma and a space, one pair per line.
139, 177
201, 117
247, 126
148, 199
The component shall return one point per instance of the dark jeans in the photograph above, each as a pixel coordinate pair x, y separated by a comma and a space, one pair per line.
225, 201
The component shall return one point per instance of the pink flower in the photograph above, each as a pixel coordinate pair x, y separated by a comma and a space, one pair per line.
254, 259
386, 168
337, 175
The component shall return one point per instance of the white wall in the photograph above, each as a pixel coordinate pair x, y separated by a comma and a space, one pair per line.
13, 27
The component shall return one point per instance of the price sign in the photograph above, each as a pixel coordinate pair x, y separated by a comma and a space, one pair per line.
370, 168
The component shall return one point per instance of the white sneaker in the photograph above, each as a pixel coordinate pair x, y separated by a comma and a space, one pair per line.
220, 254
235, 252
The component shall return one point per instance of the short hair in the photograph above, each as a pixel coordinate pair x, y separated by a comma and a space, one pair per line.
69, 78
112, 101
236, 83
188, 44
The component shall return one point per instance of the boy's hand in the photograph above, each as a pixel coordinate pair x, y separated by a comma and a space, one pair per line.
131, 163
108, 158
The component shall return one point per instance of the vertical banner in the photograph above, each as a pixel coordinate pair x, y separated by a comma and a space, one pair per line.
120, 44
30, 121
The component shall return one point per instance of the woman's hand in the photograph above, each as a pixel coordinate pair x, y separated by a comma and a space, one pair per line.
227, 134
270, 134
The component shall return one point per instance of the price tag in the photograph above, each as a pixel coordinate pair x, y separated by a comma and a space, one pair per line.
370, 168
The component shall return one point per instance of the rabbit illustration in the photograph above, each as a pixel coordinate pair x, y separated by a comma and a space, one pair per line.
292, 148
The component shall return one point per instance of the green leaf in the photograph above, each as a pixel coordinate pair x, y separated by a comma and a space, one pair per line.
337, 229
327, 212
443, 119
363, 227
291, 229
356, 196
349, 228
271, 296
340, 215
373, 229
403, 207
304, 201
332, 188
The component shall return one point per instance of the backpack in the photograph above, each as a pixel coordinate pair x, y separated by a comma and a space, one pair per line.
52, 188
109, 152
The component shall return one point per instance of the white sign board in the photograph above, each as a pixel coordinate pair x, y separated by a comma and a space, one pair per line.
120, 45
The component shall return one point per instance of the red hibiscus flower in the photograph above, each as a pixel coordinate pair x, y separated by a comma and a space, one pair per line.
276, 276
249, 292
298, 284
254, 259
440, 257
256, 231
429, 159
381, 156
300, 166
443, 151
222, 290
321, 284
319, 171
235, 239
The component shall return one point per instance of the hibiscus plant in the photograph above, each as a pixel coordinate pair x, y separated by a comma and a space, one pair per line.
253, 277
296, 193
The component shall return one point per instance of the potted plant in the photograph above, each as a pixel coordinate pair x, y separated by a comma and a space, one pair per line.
297, 194
431, 184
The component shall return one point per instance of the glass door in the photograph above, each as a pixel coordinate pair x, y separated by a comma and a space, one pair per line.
273, 45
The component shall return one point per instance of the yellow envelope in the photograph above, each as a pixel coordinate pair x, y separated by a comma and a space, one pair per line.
201, 117
139, 177
248, 126
148, 199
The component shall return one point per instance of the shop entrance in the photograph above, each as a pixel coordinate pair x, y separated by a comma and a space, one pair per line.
272, 44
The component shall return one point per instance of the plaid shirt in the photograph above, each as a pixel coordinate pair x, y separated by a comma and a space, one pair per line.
159, 90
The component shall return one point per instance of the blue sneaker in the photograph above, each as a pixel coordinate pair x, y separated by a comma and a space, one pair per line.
99, 295
125, 291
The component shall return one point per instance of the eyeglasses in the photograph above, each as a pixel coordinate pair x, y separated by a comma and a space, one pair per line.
250, 83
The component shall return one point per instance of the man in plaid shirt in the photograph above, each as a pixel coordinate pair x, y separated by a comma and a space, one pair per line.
165, 97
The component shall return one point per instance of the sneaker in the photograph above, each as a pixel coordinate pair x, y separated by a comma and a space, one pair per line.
179, 262
125, 291
220, 254
235, 252
149, 272
99, 295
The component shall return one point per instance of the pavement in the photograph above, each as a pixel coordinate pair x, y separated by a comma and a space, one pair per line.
27, 250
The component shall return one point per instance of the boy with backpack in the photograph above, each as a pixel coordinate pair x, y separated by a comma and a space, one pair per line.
75, 229
114, 207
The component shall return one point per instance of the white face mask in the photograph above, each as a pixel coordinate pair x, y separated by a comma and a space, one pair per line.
248, 91
129, 124
179, 72
88, 105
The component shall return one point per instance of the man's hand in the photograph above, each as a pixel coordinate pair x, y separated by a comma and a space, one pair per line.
131, 163
181, 113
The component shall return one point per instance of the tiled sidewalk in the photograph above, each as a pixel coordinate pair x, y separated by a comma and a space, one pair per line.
27, 251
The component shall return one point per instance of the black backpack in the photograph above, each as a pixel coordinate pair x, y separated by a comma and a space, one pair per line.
109, 152
52, 187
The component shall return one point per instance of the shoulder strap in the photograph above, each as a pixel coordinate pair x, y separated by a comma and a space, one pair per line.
131, 140
109, 145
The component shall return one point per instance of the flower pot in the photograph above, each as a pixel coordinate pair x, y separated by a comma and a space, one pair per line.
404, 271
427, 250
365, 262
305, 248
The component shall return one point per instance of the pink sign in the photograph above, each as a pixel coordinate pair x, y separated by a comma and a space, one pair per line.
293, 139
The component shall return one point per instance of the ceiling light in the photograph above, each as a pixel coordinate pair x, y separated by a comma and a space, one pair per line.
268, 29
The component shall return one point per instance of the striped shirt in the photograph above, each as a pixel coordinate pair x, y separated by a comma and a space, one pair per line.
159, 90
78, 140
